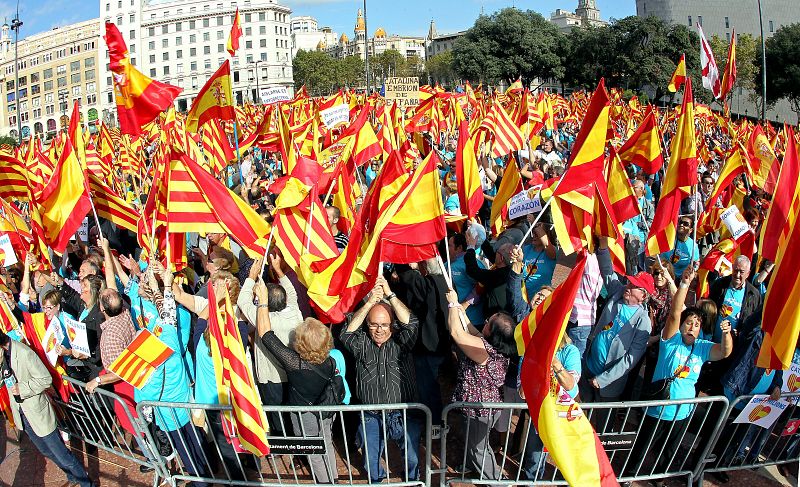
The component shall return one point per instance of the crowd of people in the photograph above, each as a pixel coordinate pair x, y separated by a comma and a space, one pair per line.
438, 331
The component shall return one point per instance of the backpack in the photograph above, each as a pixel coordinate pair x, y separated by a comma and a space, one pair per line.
332, 394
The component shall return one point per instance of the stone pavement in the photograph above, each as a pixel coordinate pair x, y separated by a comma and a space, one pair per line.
21, 465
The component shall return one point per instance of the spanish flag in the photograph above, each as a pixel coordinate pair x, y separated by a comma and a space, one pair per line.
236, 33
510, 185
729, 77
139, 98
774, 231
763, 161
643, 148
560, 422
64, 201
470, 191
679, 76
214, 101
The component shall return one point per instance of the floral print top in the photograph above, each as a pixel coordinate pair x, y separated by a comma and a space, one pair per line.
480, 383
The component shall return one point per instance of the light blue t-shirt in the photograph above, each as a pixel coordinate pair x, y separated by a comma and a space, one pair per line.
672, 355
464, 286
681, 256
452, 205
730, 309
341, 368
596, 361
570, 358
762, 387
538, 270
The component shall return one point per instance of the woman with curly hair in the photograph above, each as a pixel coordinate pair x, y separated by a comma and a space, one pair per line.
309, 369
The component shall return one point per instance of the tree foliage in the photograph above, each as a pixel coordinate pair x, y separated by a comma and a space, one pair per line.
322, 74
783, 69
440, 68
632, 53
508, 44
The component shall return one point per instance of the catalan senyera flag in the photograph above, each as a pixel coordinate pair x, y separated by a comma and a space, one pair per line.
196, 202
470, 191
216, 148
136, 364
643, 148
729, 76
781, 317
418, 226
236, 33
680, 177
13, 180
774, 231
763, 161
214, 101
563, 427
506, 136
679, 76
139, 99
235, 383
64, 201
510, 185
110, 205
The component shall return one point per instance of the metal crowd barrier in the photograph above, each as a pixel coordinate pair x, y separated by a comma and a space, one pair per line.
93, 419
300, 454
739, 446
639, 447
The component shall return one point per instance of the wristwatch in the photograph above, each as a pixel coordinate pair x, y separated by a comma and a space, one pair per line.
98, 380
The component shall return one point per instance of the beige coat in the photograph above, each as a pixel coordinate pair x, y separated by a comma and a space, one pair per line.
33, 379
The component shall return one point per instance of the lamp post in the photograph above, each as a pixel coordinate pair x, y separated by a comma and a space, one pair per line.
62, 101
366, 49
258, 90
15, 25
763, 64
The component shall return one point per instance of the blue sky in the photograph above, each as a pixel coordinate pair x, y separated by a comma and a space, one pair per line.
410, 17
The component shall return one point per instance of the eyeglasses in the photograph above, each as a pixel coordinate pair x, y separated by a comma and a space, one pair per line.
48, 307
381, 326
685, 224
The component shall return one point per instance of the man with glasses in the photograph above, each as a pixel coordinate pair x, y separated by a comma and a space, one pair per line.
385, 375
704, 190
736, 298
685, 250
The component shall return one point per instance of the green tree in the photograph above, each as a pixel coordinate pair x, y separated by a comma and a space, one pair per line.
440, 67
637, 53
388, 63
508, 44
350, 72
317, 71
414, 66
7, 139
783, 70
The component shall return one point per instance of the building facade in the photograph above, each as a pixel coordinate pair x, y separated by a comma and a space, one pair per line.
307, 36
587, 14
380, 42
440, 43
56, 68
720, 17
183, 42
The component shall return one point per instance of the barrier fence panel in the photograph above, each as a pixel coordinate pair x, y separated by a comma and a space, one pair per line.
644, 440
368, 444
106, 421
743, 445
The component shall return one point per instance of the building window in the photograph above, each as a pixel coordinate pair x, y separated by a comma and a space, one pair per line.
166, 70
264, 55
690, 21
727, 23
262, 43
192, 39
178, 54
178, 26
62, 82
91, 99
207, 64
247, 17
164, 42
165, 56
132, 18
220, 47
193, 51
262, 16
771, 26
700, 20
220, 20
35, 89
191, 24
178, 41
48, 85
151, 45
119, 19
88, 62
205, 22
88, 75
91, 87
165, 29
248, 44
194, 82
262, 30
152, 72
220, 35
75, 78
76, 90
74, 66
151, 31
206, 36
206, 49
248, 31
152, 58
193, 66
48, 98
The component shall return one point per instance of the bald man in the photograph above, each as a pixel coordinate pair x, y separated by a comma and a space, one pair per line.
385, 375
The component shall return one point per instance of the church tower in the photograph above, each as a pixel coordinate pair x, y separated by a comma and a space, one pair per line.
360, 30
588, 11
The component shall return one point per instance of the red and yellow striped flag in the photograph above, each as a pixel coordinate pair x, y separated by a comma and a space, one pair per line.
139, 99
774, 231
470, 191
681, 175
560, 422
216, 148
763, 161
734, 166
136, 364
506, 135
235, 384
214, 101
643, 148
111, 206
729, 77
509, 186
781, 318
13, 180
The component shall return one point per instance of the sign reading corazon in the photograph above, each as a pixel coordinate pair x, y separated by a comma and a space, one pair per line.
405, 91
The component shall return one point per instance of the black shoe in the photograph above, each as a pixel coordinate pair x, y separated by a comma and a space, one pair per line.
145, 468
721, 476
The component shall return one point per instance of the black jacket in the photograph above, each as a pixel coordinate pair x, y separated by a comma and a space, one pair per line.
425, 297
750, 304
72, 303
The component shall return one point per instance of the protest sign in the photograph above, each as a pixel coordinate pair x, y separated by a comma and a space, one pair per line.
791, 378
522, 204
53, 337
734, 221
274, 94
761, 411
76, 333
7, 255
404, 91
335, 115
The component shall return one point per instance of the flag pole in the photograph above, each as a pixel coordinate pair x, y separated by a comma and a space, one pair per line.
266, 252
308, 224
694, 230
328, 194
238, 157
449, 266
545, 207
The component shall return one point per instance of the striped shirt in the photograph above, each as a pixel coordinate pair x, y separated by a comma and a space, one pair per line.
341, 240
385, 374
583, 310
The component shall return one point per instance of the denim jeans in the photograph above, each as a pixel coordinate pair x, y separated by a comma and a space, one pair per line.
533, 462
430, 392
53, 447
579, 335
371, 436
